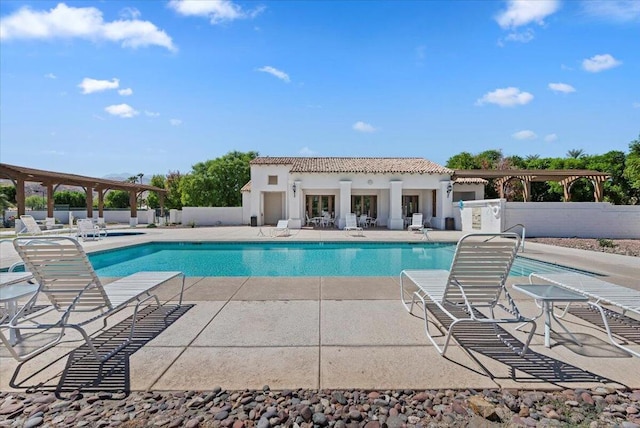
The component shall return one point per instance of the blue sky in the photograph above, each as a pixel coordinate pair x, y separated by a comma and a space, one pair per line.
103, 87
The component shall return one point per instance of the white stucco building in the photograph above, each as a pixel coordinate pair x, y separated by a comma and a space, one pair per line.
387, 189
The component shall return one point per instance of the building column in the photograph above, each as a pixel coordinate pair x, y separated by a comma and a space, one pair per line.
396, 222
345, 203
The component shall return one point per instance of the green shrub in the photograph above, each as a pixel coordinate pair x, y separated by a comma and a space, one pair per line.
606, 243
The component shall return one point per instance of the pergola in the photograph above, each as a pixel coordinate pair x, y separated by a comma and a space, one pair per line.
51, 180
566, 177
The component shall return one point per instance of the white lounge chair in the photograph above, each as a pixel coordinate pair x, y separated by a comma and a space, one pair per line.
601, 294
29, 226
88, 230
476, 279
416, 223
281, 229
66, 277
351, 224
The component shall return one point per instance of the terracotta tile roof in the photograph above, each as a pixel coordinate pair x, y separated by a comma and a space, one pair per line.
356, 165
246, 187
470, 180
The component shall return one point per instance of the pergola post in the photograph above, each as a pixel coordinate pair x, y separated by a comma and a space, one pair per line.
90, 202
133, 203
50, 200
101, 193
598, 188
20, 196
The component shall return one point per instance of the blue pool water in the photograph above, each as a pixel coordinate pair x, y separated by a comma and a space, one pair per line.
285, 259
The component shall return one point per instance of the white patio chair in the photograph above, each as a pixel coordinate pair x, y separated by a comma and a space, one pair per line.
476, 279
416, 223
315, 221
66, 277
327, 220
281, 229
362, 221
600, 294
351, 224
88, 230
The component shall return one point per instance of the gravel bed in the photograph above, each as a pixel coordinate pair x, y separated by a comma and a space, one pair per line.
598, 407
625, 247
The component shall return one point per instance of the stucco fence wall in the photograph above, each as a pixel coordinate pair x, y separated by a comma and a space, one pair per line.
62, 217
551, 219
212, 216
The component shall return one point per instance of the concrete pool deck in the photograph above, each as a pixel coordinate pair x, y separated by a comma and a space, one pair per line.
336, 332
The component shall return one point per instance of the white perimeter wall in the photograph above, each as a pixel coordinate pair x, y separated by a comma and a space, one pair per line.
212, 216
552, 219
575, 219
62, 217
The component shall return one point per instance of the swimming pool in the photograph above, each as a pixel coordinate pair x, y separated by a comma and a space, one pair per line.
287, 259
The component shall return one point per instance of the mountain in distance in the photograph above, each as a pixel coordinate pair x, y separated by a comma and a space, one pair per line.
124, 176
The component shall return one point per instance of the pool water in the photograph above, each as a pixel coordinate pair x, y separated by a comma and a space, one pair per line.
286, 259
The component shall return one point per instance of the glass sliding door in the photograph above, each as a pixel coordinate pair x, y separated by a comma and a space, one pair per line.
317, 205
410, 205
365, 204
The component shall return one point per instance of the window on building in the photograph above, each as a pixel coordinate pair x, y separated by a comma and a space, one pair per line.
273, 180
365, 204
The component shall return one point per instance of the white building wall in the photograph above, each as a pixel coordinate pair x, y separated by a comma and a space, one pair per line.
246, 207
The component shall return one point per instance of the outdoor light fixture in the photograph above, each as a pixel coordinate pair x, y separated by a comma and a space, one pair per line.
294, 188
449, 189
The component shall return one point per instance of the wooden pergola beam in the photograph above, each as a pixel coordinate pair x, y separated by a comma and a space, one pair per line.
20, 175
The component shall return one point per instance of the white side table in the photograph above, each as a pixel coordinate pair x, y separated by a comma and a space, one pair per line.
548, 294
14, 286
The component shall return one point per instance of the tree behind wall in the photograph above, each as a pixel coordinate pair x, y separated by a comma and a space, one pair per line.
117, 199
217, 182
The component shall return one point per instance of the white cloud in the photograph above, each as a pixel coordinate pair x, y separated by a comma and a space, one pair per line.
526, 134
363, 127
129, 13
216, 10
151, 113
550, 138
306, 151
562, 87
275, 72
598, 63
50, 76
90, 86
614, 10
175, 122
524, 12
125, 92
521, 37
121, 110
506, 97
81, 22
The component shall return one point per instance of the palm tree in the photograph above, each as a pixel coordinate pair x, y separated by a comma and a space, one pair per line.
532, 157
575, 153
